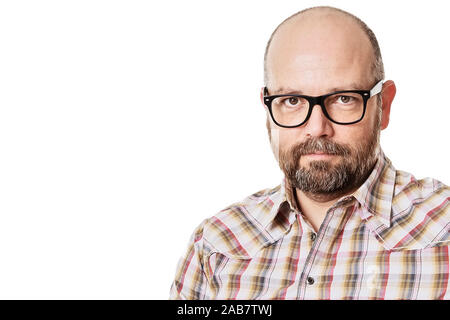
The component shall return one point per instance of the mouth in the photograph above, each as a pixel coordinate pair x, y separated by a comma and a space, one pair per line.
319, 156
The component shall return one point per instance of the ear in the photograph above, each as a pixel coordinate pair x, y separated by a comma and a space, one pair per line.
387, 96
261, 96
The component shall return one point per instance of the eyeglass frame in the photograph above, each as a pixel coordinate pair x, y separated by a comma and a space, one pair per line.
319, 100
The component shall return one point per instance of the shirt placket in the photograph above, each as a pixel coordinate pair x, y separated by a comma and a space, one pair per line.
308, 287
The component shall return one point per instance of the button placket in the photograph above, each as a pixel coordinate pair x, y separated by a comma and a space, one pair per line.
308, 280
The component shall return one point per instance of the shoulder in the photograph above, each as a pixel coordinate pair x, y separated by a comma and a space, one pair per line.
410, 191
421, 210
237, 229
249, 208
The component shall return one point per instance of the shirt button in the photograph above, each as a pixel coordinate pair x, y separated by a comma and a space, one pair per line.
310, 280
313, 236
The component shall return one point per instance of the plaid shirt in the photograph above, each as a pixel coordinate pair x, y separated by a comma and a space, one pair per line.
388, 240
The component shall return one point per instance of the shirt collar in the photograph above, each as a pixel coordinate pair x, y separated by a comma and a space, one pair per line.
376, 193
281, 215
374, 196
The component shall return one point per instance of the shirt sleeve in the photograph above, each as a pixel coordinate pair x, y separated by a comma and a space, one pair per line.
190, 279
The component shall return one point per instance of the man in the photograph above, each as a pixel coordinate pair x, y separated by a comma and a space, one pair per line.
343, 224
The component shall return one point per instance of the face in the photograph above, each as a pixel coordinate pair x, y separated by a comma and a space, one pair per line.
316, 55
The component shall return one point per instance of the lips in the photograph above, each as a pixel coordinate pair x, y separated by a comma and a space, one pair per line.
319, 147
319, 155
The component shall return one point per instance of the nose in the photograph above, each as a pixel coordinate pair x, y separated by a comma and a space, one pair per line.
318, 125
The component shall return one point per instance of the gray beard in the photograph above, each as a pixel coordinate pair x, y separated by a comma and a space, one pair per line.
323, 179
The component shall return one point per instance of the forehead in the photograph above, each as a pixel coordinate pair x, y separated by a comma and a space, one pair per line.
319, 51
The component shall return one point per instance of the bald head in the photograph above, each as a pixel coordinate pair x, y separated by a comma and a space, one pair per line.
322, 37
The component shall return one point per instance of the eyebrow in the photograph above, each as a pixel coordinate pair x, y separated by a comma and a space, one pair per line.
286, 90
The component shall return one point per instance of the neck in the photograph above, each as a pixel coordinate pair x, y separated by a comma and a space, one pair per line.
314, 207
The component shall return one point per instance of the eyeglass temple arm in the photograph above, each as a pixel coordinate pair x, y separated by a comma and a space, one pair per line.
377, 88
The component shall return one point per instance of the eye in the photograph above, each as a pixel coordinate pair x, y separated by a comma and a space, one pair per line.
292, 101
345, 99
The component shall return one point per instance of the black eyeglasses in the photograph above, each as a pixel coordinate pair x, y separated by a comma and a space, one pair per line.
341, 107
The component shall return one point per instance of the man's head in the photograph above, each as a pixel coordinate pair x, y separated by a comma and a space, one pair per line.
315, 52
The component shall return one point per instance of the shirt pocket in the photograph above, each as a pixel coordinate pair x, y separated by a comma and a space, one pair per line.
408, 274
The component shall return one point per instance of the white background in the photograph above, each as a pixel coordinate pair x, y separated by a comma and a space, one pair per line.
123, 124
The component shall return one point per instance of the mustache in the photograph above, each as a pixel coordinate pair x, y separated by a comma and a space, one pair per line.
322, 145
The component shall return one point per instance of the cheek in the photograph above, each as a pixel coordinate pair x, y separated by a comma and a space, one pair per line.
355, 134
282, 139
360, 132
372, 116
289, 137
